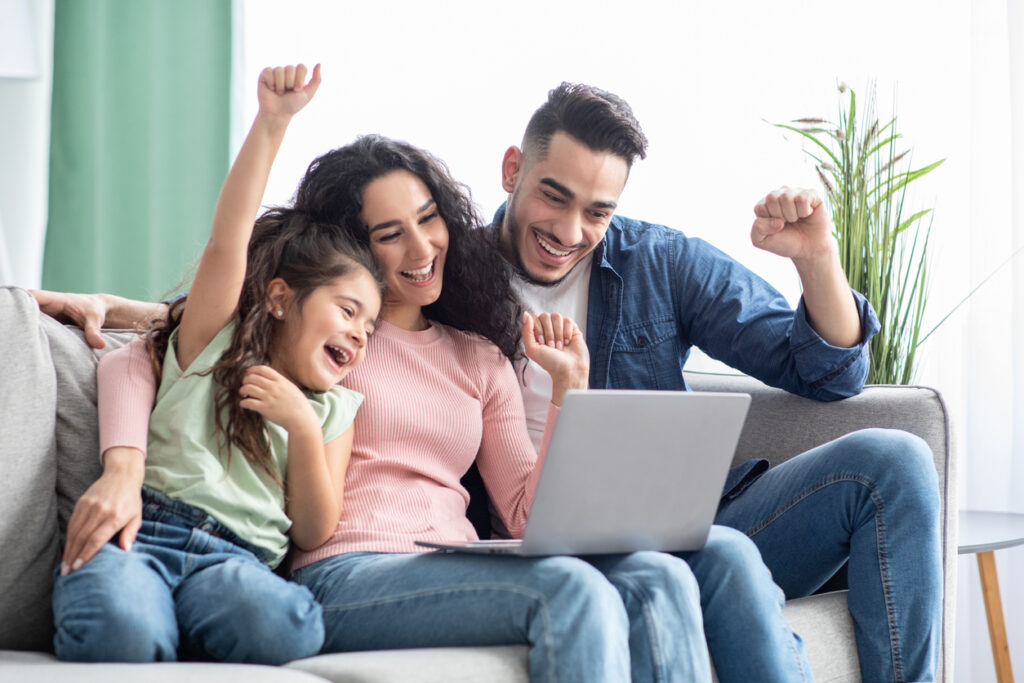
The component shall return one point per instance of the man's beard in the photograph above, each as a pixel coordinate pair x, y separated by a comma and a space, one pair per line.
516, 234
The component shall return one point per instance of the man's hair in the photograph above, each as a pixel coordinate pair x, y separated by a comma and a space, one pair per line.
598, 119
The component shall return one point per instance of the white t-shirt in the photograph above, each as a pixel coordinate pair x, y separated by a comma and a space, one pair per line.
568, 298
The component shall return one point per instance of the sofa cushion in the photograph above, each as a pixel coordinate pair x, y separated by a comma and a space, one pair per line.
33, 666
28, 506
496, 664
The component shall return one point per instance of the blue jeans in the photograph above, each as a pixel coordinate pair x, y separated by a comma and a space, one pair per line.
600, 618
189, 583
870, 497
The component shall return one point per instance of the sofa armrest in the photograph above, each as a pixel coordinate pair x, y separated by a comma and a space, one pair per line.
781, 425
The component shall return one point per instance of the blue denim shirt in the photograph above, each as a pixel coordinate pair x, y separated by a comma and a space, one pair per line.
655, 293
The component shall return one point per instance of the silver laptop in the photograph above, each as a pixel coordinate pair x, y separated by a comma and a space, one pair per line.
627, 471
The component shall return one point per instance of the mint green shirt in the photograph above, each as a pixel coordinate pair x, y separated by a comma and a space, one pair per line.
185, 462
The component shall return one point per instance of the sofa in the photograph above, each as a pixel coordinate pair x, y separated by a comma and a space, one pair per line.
48, 439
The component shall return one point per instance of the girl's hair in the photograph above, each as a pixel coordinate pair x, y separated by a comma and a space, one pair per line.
476, 294
306, 254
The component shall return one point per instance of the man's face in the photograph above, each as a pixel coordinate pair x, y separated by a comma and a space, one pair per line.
559, 207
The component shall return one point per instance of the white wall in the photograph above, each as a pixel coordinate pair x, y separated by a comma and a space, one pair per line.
462, 78
25, 158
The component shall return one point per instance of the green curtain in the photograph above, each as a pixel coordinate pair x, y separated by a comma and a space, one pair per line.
139, 141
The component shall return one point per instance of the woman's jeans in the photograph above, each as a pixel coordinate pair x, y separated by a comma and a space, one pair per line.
600, 618
870, 497
188, 583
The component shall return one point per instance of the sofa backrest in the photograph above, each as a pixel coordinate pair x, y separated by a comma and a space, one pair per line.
48, 456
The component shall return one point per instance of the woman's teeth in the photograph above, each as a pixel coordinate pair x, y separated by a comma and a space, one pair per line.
420, 275
550, 248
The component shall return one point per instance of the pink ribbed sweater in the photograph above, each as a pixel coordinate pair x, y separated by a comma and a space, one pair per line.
435, 401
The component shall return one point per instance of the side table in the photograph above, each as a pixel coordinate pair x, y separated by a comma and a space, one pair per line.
983, 533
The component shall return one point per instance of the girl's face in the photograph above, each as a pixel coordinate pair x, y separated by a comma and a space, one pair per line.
322, 340
409, 239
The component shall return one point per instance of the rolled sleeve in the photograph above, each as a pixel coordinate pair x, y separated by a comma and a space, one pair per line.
833, 372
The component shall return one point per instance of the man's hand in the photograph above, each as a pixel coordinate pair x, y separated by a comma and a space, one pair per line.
113, 503
556, 344
88, 311
793, 223
276, 398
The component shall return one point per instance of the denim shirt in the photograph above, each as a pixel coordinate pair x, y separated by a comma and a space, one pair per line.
655, 293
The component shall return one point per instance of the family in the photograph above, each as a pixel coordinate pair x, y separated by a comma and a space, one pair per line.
311, 408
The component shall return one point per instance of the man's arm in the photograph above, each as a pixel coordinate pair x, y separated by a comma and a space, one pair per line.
794, 223
92, 312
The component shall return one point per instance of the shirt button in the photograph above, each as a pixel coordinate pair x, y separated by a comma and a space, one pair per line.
641, 341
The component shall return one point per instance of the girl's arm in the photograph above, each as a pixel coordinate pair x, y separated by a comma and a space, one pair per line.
319, 483
315, 471
218, 282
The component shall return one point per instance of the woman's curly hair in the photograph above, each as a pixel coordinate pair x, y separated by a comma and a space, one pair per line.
476, 294
306, 253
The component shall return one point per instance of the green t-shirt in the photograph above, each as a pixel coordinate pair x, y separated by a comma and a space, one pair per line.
185, 463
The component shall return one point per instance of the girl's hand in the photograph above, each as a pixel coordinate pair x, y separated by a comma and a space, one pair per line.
556, 344
276, 398
283, 90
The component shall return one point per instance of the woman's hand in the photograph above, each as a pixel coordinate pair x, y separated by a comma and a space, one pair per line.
556, 344
283, 90
113, 503
276, 398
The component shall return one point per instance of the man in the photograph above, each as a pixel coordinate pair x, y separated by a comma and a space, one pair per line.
644, 294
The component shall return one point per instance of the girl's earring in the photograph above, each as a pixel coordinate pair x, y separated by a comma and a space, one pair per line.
279, 313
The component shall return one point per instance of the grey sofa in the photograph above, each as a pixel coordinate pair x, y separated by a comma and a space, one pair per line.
49, 456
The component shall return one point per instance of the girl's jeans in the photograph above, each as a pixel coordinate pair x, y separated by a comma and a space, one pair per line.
189, 585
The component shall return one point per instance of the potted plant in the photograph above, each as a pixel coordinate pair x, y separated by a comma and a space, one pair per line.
883, 247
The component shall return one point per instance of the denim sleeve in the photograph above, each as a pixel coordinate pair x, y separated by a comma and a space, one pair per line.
736, 317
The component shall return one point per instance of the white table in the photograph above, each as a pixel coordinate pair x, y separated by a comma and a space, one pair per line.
983, 533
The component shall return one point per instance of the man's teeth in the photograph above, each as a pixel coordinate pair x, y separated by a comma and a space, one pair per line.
421, 274
550, 248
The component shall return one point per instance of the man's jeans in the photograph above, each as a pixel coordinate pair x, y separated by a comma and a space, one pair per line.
188, 581
599, 618
870, 496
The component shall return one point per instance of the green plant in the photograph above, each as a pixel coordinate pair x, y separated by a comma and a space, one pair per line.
883, 251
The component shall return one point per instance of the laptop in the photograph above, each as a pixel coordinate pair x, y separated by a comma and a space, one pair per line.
628, 471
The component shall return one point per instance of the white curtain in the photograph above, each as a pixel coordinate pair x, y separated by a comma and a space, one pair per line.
991, 415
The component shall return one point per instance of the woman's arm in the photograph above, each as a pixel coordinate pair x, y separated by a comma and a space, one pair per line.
113, 503
508, 464
213, 297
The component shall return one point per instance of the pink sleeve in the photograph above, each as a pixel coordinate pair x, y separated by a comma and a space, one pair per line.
508, 464
125, 393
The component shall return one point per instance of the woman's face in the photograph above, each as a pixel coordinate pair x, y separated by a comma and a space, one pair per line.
408, 238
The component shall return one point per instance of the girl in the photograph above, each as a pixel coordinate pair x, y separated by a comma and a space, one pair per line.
249, 439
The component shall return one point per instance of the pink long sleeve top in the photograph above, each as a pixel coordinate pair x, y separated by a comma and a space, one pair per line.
435, 401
